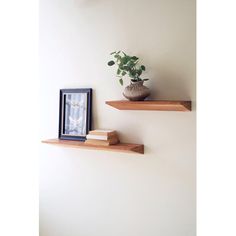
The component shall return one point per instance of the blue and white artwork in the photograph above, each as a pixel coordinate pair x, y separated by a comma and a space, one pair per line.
75, 114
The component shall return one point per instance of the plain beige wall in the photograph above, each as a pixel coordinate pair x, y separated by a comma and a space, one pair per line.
96, 193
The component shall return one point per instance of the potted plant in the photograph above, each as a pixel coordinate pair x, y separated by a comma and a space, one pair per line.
128, 66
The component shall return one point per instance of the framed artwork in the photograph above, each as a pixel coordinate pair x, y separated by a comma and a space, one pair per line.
75, 113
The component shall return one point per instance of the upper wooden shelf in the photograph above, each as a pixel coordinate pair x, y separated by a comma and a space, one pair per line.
152, 105
121, 147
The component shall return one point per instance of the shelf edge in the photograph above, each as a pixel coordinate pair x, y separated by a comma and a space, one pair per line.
137, 148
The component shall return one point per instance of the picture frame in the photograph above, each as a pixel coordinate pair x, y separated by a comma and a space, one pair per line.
75, 113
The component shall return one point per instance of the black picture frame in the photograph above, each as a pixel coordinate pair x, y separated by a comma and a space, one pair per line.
75, 113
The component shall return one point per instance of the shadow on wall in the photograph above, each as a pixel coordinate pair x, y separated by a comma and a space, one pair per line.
168, 86
95, 110
85, 3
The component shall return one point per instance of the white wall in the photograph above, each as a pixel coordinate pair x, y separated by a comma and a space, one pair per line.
96, 193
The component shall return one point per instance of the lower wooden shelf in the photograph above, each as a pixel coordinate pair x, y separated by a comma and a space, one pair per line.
121, 147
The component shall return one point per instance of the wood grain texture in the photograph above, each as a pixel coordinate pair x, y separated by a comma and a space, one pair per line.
152, 105
121, 147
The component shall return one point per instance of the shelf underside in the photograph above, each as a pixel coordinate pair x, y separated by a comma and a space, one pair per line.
121, 147
152, 105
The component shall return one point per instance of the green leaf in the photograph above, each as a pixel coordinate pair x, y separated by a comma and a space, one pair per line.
139, 72
117, 56
110, 63
127, 68
143, 67
125, 59
123, 73
130, 64
121, 81
134, 58
132, 75
118, 71
113, 53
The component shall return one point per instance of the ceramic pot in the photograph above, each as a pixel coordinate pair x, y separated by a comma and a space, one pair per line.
136, 91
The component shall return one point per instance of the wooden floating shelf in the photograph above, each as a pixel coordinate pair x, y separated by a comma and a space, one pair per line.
121, 147
152, 105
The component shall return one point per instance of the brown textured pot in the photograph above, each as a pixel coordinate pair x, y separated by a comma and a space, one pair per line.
136, 91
